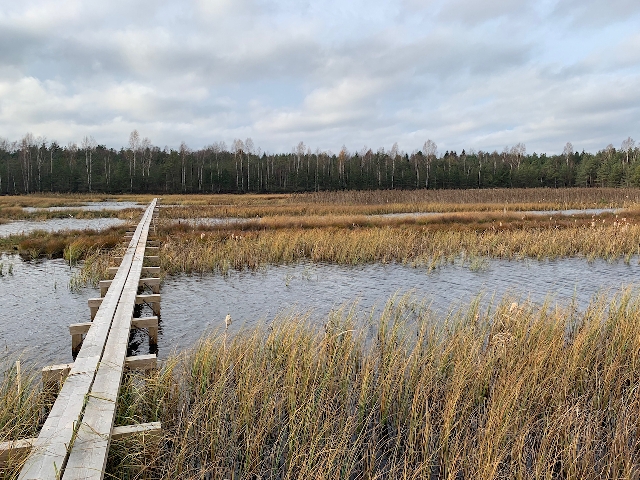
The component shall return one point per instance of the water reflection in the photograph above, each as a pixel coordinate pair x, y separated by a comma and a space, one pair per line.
36, 305
57, 225
215, 221
253, 297
36, 308
89, 207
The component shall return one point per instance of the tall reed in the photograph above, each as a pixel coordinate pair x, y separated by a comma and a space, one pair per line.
417, 245
505, 390
515, 391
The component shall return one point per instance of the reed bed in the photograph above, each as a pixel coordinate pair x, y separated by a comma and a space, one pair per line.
73, 245
307, 209
23, 408
559, 198
214, 251
44, 200
401, 201
502, 391
437, 220
10, 214
562, 198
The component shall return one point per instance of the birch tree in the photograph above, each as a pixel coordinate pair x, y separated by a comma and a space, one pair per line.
430, 150
184, 151
393, 154
627, 147
567, 152
134, 147
249, 148
88, 145
238, 147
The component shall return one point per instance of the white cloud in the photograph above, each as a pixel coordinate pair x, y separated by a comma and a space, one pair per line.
464, 73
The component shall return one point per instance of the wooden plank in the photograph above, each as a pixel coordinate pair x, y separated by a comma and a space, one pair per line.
141, 362
145, 270
151, 270
54, 375
50, 452
142, 322
152, 259
150, 298
152, 429
94, 303
89, 454
151, 282
79, 328
14, 451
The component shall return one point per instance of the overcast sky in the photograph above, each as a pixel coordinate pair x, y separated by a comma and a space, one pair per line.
474, 74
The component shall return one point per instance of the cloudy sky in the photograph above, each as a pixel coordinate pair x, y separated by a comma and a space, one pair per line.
465, 73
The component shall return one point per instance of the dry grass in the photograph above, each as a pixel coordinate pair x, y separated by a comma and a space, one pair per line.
12, 207
288, 231
218, 251
561, 198
23, 409
512, 391
45, 200
558, 198
307, 209
397, 201
73, 245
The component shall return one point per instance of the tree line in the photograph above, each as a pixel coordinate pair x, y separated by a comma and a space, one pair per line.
33, 164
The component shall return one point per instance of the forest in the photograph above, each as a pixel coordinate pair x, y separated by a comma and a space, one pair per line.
33, 165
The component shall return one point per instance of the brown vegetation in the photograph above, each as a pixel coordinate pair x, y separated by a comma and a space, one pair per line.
73, 245
514, 391
426, 240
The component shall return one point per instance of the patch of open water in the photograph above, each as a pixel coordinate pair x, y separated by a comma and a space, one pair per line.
36, 305
57, 225
90, 207
214, 221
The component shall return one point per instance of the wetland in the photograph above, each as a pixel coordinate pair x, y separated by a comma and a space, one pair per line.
383, 333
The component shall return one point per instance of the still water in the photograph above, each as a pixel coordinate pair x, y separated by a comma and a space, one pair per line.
216, 221
89, 207
36, 305
57, 225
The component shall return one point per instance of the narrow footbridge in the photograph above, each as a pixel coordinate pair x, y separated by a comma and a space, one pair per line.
75, 438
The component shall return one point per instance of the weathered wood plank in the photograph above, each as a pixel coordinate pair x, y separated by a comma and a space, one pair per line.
54, 374
152, 429
89, 454
16, 450
94, 303
141, 362
151, 282
50, 450
143, 322
145, 270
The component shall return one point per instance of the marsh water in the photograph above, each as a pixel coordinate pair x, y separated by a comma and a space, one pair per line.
57, 225
36, 304
217, 221
89, 207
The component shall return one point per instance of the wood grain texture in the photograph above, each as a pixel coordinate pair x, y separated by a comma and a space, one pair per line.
89, 454
70, 416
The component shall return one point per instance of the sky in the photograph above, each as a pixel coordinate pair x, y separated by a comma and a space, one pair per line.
467, 74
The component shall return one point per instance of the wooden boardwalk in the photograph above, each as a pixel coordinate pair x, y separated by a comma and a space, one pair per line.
74, 441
